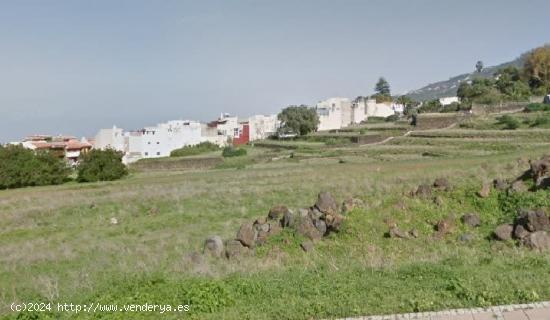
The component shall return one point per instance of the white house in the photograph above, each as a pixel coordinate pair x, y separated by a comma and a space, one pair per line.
445, 101
262, 127
110, 138
337, 113
162, 139
334, 113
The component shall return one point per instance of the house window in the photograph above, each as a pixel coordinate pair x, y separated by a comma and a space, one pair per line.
146, 154
236, 132
158, 142
148, 142
158, 153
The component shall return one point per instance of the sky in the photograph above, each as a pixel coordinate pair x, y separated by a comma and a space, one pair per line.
73, 67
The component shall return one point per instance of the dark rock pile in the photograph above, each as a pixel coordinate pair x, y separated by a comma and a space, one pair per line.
313, 223
530, 228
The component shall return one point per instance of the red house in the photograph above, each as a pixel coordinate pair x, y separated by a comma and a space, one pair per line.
243, 135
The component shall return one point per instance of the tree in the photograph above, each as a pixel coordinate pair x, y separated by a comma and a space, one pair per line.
101, 165
408, 103
21, 167
299, 119
479, 66
537, 69
430, 106
382, 87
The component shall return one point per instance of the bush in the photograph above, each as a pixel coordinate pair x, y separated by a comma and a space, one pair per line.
535, 107
233, 152
101, 165
202, 147
509, 122
392, 118
542, 121
21, 167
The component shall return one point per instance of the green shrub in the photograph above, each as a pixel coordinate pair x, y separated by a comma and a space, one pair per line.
21, 167
392, 118
509, 122
542, 121
535, 107
233, 152
375, 119
203, 147
101, 165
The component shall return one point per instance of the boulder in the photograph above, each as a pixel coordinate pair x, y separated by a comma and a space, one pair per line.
306, 228
234, 249
334, 221
350, 204
539, 168
247, 235
500, 184
445, 226
213, 245
520, 232
277, 212
315, 214
442, 184
321, 226
485, 190
302, 212
539, 240
274, 228
518, 186
394, 232
261, 238
423, 191
413, 233
533, 220
471, 220
113, 221
288, 220
261, 225
307, 245
326, 203
504, 232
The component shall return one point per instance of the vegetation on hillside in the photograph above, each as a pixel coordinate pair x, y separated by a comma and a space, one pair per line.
21, 167
231, 151
101, 165
203, 147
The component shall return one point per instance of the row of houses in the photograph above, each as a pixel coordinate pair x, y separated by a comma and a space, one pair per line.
160, 140
64, 147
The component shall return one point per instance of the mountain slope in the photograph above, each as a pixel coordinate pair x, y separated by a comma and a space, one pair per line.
449, 87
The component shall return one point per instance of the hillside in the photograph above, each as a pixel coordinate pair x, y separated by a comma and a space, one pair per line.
448, 88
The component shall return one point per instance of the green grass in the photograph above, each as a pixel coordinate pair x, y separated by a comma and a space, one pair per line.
58, 244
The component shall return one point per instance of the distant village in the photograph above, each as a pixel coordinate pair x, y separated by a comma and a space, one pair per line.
160, 140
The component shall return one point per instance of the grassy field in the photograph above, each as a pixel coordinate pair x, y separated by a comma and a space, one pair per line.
57, 243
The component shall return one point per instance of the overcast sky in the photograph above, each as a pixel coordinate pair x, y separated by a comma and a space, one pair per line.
74, 66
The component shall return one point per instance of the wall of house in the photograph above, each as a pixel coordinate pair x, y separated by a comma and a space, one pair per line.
262, 127
110, 138
374, 109
159, 141
333, 113
445, 101
243, 137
